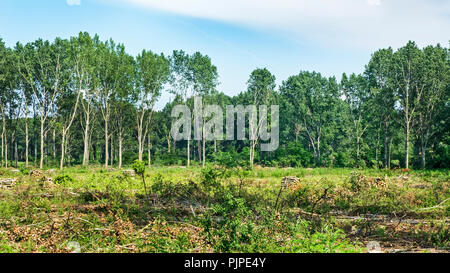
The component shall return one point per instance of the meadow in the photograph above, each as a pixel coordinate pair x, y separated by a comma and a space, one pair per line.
196, 210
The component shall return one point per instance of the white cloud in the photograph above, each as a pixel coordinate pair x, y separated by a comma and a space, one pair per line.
350, 23
374, 2
73, 2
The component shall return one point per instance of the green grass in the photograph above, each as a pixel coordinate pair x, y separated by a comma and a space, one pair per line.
223, 210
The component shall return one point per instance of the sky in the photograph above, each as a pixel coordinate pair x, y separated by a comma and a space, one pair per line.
284, 36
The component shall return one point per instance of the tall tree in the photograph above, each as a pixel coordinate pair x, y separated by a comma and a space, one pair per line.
358, 98
430, 104
204, 78
124, 113
260, 91
4, 81
114, 69
409, 85
315, 99
89, 86
379, 74
80, 50
181, 85
42, 70
152, 73
10, 99
83, 84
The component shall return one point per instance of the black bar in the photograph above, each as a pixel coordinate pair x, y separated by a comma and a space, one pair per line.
227, 262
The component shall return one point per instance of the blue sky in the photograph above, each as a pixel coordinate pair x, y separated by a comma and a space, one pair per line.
286, 36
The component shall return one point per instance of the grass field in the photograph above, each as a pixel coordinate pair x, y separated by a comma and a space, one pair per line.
224, 210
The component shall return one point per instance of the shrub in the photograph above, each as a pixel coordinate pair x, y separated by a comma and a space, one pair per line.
321, 239
344, 160
395, 163
24, 170
227, 226
211, 178
63, 179
139, 169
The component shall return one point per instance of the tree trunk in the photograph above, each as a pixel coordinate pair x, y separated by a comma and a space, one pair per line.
386, 150
168, 145
407, 124
4, 160
63, 143
252, 152
16, 153
112, 150
41, 162
26, 142
318, 152
199, 150
250, 159
204, 153
46, 148
215, 152
94, 152
6, 152
120, 150
204, 147
407, 146
357, 148
140, 135
3, 146
188, 152
86, 143
140, 152
194, 152
422, 154
54, 144
35, 150
11, 152
106, 144
390, 152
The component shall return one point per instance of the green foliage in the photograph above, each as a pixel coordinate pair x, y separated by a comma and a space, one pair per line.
307, 239
227, 225
294, 155
24, 170
441, 158
357, 123
220, 210
211, 179
395, 163
139, 167
231, 159
63, 179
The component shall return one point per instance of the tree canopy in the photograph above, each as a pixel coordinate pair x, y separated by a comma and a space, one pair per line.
82, 100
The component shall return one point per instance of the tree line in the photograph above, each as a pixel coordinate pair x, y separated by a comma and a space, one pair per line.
82, 101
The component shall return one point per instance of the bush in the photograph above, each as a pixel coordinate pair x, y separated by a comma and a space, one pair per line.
211, 178
232, 159
24, 170
441, 158
294, 155
139, 167
395, 163
63, 179
322, 239
227, 226
344, 160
